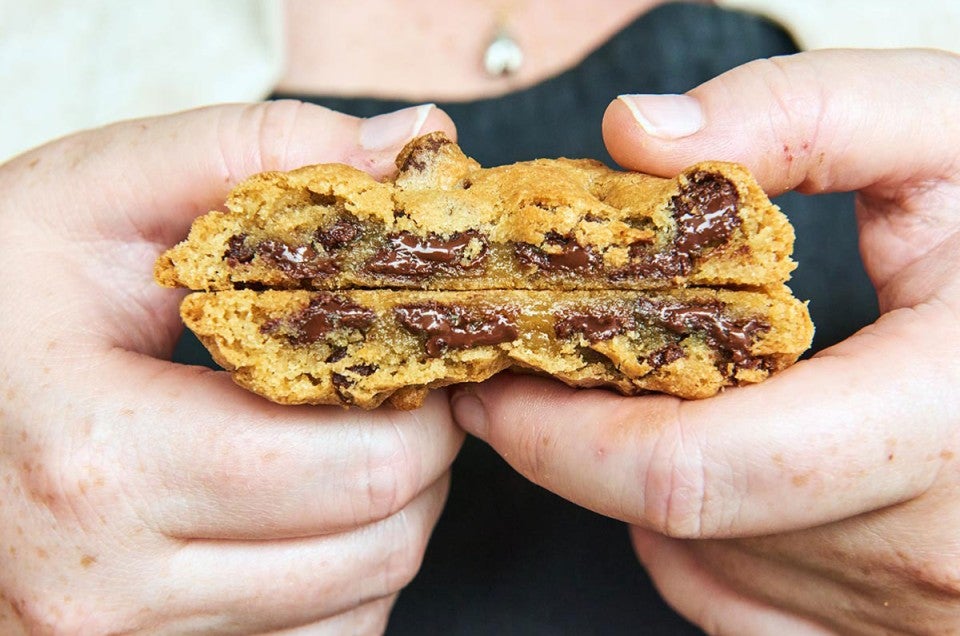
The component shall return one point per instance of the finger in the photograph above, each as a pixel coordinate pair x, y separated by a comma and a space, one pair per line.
809, 121
253, 587
230, 465
368, 619
109, 201
150, 177
693, 590
824, 440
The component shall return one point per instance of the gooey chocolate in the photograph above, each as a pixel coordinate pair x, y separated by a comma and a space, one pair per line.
296, 261
300, 262
452, 327
735, 337
407, 255
593, 325
325, 313
705, 211
572, 257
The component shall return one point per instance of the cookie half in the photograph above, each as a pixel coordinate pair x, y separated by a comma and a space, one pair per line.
362, 347
445, 223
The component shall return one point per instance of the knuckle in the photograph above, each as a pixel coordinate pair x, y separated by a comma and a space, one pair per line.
41, 614
275, 121
937, 578
406, 556
74, 482
681, 489
536, 447
391, 476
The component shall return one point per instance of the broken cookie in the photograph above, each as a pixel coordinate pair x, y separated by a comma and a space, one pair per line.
324, 286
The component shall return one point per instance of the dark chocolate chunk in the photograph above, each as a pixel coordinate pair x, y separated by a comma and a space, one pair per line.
706, 214
722, 332
408, 255
453, 327
327, 199
649, 264
336, 236
594, 325
665, 355
325, 313
336, 355
340, 384
572, 256
238, 251
363, 369
299, 262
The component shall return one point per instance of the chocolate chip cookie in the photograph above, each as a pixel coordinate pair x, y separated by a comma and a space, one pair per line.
324, 286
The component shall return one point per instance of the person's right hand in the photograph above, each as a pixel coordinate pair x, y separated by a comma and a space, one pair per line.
141, 495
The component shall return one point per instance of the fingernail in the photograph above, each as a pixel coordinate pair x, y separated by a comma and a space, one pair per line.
469, 412
665, 116
393, 129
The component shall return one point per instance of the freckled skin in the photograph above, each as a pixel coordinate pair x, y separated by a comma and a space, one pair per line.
825, 500
139, 495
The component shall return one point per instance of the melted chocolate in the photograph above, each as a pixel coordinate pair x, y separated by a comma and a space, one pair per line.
299, 262
572, 256
706, 215
706, 212
408, 255
238, 251
325, 313
336, 236
453, 327
594, 326
665, 355
722, 332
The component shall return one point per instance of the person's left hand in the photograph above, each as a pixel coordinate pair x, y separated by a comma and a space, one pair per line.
825, 499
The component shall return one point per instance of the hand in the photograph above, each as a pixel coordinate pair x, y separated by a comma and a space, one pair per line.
825, 499
140, 495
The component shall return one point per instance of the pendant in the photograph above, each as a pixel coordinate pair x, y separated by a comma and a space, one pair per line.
503, 56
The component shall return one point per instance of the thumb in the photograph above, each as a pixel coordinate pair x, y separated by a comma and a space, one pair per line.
803, 121
106, 202
149, 178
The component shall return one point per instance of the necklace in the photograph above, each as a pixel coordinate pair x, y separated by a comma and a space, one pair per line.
503, 55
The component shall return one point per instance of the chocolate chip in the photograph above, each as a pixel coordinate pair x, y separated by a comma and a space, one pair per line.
665, 355
340, 384
325, 313
417, 154
594, 325
300, 262
408, 255
705, 211
572, 256
338, 235
238, 251
363, 369
328, 199
336, 355
453, 327
733, 337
